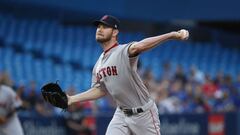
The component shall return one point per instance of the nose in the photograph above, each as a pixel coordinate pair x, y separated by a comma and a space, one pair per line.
99, 30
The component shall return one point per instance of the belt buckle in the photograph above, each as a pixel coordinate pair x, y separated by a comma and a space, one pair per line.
139, 110
128, 112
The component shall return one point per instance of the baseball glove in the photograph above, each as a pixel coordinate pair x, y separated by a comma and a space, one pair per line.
53, 94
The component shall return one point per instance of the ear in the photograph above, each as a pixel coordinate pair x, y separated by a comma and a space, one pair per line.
115, 32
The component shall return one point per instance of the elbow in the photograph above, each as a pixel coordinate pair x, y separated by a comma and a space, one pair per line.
101, 93
135, 50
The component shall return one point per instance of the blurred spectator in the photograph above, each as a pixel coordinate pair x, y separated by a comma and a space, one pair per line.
179, 75
162, 94
227, 84
209, 88
200, 106
170, 105
237, 84
176, 89
196, 75
174, 93
32, 98
149, 80
35, 101
236, 93
189, 90
5, 79
219, 79
166, 103
43, 109
223, 103
21, 93
75, 121
105, 106
167, 73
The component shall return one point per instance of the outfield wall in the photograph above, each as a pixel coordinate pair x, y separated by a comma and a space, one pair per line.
174, 124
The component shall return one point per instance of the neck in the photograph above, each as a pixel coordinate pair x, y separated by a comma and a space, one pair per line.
108, 44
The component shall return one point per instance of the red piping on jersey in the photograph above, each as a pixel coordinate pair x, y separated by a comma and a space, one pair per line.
154, 122
116, 44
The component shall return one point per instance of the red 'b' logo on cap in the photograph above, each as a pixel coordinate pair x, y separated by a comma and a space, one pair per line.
104, 17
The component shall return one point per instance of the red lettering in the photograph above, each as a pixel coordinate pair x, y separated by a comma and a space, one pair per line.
109, 71
99, 76
103, 70
114, 70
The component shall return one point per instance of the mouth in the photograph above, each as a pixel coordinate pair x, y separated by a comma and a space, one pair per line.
99, 34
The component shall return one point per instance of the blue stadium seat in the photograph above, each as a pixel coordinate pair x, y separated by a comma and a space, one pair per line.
76, 44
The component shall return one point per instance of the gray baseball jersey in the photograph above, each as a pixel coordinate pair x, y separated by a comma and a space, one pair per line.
117, 73
8, 102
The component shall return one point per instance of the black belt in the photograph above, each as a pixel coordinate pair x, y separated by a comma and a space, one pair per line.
130, 112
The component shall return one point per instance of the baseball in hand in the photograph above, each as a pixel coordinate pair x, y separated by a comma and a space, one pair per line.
183, 34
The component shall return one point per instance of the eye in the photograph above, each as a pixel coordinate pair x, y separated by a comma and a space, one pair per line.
104, 26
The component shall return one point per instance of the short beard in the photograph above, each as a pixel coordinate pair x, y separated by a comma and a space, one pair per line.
103, 40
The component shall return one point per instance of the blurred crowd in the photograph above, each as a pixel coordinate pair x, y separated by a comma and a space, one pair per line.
33, 105
193, 91
175, 91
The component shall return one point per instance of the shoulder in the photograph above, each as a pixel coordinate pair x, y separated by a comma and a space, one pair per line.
7, 89
126, 45
129, 43
124, 48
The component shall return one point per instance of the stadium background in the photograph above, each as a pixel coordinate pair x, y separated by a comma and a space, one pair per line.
196, 83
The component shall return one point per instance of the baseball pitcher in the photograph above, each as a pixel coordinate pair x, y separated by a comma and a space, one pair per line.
115, 73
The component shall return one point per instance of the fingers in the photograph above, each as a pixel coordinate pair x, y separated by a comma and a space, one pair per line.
184, 34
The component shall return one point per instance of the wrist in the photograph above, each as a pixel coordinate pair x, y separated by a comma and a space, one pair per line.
175, 35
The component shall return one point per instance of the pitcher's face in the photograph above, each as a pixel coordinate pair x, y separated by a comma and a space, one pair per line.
103, 33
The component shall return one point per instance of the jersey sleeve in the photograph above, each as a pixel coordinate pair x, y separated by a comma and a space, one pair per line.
95, 82
131, 60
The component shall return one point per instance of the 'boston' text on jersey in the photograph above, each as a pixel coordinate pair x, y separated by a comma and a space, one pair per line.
107, 71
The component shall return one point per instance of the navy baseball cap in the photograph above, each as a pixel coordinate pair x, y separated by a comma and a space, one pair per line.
108, 20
